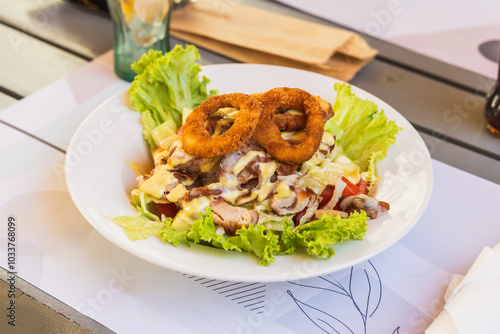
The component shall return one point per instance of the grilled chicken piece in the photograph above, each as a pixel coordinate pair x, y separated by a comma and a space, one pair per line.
232, 218
296, 202
370, 205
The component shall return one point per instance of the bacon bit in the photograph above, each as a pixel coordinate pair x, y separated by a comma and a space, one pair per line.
286, 169
298, 216
251, 184
201, 191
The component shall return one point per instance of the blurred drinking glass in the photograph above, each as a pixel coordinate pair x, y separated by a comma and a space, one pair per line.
139, 26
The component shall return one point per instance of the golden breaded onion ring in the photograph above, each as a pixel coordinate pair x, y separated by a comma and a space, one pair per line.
196, 140
287, 121
268, 134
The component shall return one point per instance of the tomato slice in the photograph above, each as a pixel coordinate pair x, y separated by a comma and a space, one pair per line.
169, 210
326, 196
350, 189
363, 186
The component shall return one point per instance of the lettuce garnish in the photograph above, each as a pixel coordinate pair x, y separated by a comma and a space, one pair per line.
362, 130
316, 237
138, 227
255, 239
164, 85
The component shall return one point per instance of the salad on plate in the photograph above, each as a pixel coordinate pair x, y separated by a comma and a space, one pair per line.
269, 173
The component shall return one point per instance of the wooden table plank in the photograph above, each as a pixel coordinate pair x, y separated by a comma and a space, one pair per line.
28, 64
462, 158
71, 26
38, 312
439, 109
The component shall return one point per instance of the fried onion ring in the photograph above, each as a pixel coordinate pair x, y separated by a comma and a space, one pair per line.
269, 135
289, 121
196, 139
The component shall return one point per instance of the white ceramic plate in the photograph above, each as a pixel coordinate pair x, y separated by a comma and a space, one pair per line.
100, 181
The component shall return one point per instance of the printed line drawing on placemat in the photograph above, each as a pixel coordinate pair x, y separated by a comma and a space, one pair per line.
251, 296
363, 291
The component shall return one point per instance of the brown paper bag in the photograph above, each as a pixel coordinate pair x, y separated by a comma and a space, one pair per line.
252, 35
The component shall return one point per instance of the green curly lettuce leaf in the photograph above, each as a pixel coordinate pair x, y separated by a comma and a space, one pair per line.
139, 227
316, 237
362, 130
165, 84
258, 240
254, 239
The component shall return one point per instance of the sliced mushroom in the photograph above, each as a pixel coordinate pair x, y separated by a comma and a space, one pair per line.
370, 205
232, 218
296, 202
290, 180
285, 205
161, 182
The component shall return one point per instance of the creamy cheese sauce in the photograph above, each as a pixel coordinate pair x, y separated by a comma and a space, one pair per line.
190, 211
158, 182
282, 190
206, 165
244, 160
228, 180
229, 115
179, 157
160, 157
177, 193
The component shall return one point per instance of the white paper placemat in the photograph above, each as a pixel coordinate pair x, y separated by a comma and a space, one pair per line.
399, 291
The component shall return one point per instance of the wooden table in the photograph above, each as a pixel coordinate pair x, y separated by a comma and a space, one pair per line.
46, 40
42, 41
